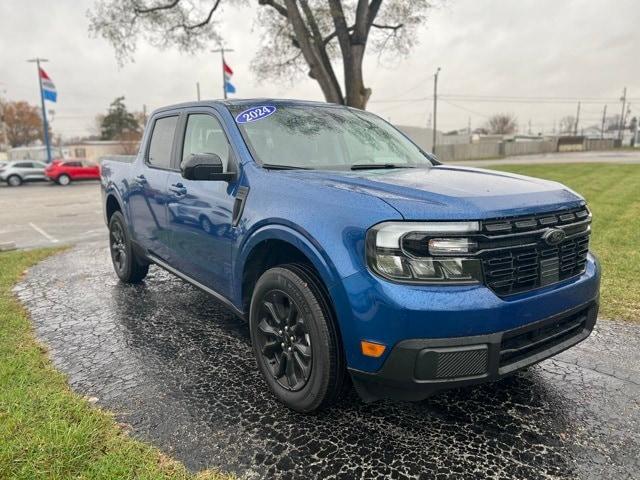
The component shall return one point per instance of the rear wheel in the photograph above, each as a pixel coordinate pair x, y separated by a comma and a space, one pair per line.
64, 180
295, 339
14, 181
127, 265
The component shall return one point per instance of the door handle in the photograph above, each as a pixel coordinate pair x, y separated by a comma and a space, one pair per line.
141, 179
178, 189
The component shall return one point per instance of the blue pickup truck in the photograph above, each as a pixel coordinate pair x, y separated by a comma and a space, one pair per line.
356, 257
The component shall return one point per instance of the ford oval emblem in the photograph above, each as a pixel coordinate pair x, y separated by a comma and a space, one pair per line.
255, 113
554, 236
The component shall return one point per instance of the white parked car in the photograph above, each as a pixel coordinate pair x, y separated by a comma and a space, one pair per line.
16, 173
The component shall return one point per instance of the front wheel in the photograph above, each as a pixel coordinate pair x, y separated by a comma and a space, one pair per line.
206, 225
14, 181
127, 265
295, 340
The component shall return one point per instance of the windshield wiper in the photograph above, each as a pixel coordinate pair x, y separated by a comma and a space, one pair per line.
374, 166
273, 166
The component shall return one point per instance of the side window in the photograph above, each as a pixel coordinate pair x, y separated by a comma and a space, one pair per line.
161, 142
204, 134
23, 165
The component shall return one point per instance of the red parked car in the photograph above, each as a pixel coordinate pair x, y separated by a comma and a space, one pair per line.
64, 172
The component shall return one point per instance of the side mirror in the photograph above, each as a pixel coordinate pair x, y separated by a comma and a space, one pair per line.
205, 166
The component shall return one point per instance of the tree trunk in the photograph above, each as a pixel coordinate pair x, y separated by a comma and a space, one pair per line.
352, 47
320, 67
357, 95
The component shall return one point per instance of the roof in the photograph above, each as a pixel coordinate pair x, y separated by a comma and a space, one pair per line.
247, 101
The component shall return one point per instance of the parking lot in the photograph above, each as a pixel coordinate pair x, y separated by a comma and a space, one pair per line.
43, 214
178, 370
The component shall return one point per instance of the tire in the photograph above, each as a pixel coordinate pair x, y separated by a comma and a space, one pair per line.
64, 180
127, 265
206, 225
14, 181
295, 339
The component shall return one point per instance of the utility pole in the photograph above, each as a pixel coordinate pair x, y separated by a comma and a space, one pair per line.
198, 90
469, 126
435, 109
529, 132
623, 99
604, 119
575, 128
221, 50
45, 124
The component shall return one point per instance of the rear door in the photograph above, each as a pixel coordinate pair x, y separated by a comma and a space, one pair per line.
148, 198
200, 212
29, 171
73, 169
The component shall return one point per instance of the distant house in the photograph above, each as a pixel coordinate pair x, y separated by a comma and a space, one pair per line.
34, 153
93, 150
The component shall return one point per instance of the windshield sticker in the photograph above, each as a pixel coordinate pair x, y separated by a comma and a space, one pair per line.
255, 113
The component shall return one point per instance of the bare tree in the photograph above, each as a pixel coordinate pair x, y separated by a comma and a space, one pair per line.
567, 124
502, 124
299, 35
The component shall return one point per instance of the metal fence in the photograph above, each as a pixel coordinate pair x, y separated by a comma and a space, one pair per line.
482, 150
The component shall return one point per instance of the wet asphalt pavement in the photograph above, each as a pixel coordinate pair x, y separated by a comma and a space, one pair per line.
179, 369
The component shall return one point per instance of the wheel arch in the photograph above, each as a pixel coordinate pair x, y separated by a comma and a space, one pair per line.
112, 204
278, 245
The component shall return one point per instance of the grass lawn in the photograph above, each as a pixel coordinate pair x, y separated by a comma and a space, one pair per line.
613, 193
48, 432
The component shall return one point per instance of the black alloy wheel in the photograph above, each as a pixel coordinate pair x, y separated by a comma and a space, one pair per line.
284, 340
118, 247
295, 338
128, 266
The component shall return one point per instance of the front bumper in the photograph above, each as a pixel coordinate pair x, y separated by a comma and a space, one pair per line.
418, 368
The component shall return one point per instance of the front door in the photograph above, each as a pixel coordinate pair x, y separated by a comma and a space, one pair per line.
199, 213
148, 197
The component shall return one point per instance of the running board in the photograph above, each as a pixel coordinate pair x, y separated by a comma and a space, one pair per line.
221, 298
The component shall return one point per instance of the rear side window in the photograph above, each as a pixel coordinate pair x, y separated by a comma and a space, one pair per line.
161, 142
73, 164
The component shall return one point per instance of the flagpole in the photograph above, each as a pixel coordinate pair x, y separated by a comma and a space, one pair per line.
45, 124
221, 50
224, 81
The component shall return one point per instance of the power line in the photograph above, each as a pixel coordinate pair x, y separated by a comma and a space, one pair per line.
464, 108
508, 99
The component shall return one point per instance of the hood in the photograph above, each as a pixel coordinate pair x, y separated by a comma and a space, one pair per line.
449, 192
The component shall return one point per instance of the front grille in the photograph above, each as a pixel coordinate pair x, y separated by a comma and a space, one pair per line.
516, 258
516, 347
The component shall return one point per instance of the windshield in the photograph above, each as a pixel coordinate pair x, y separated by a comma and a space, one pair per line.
324, 138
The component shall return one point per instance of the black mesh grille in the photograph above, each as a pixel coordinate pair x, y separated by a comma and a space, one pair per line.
516, 258
522, 345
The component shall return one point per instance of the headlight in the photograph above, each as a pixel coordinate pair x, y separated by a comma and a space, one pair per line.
418, 252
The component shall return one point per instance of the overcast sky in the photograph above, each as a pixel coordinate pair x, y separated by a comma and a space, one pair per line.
574, 50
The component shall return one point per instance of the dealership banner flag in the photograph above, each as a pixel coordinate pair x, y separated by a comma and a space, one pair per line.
228, 73
48, 88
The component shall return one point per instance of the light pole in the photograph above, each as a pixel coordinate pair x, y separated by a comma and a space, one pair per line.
435, 109
45, 124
